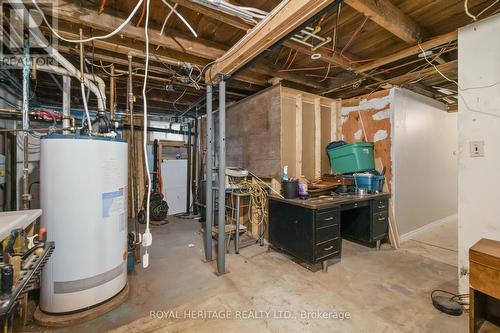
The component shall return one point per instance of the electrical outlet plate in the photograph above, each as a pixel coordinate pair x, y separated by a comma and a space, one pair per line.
477, 148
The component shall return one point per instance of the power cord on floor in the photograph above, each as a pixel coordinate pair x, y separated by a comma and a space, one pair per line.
449, 303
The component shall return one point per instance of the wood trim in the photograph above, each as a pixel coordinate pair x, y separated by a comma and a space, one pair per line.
317, 137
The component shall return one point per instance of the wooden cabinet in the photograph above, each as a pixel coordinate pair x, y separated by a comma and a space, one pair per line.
484, 282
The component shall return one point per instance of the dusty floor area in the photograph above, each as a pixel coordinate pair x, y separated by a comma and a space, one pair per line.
438, 243
379, 291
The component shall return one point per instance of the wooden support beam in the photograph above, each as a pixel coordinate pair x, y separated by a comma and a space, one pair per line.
214, 14
389, 17
298, 135
317, 137
282, 20
175, 40
431, 43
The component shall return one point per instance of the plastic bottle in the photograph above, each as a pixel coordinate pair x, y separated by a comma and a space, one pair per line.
303, 186
285, 172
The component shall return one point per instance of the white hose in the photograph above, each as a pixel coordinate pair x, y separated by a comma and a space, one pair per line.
147, 232
111, 34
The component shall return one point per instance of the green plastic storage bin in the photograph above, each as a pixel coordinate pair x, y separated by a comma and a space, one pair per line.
354, 157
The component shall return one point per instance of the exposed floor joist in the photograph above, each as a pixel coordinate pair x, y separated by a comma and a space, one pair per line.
284, 19
389, 17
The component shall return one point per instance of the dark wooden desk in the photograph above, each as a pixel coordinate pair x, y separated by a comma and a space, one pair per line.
312, 230
484, 283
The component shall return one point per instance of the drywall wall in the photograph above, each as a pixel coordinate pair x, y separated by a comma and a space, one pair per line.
478, 120
425, 143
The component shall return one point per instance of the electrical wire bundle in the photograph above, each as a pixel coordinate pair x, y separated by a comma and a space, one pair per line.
258, 208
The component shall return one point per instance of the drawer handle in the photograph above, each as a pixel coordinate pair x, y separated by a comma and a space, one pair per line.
381, 218
381, 206
328, 248
329, 219
355, 205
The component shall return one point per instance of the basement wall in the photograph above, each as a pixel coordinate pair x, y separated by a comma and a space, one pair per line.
425, 143
416, 140
478, 120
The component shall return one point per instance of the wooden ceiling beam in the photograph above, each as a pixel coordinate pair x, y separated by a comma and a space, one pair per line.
201, 48
175, 40
125, 48
421, 74
214, 14
389, 17
283, 19
431, 43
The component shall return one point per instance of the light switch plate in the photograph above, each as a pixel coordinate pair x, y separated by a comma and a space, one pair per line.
477, 148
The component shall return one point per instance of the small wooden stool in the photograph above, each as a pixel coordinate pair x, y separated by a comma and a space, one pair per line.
484, 284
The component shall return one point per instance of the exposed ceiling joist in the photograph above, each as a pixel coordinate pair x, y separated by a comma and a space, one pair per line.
389, 17
214, 14
434, 42
283, 19
174, 40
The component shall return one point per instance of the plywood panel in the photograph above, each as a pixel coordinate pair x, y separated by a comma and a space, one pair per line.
253, 130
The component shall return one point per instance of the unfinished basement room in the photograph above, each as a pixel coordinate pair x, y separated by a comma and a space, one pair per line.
250, 166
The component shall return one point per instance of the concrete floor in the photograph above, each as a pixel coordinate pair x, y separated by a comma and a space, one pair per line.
382, 291
439, 243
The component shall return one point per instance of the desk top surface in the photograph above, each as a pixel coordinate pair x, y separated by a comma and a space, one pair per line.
17, 219
328, 201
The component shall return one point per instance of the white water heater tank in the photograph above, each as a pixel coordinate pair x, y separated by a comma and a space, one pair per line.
83, 195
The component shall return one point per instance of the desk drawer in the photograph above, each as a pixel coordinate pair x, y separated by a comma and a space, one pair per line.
329, 248
380, 224
327, 233
380, 205
356, 205
326, 218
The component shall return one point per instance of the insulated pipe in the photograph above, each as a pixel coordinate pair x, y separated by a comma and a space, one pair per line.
66, 103
221, 244
26, 92
112, 84
209, 176
22, 12
189, 166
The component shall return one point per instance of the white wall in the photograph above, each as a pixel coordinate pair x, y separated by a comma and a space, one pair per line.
478, 120
424, 160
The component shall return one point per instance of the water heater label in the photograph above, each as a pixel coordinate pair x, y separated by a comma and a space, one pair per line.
113, 203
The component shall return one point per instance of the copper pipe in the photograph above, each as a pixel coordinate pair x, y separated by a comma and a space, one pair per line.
142, 14
101, 8
356, 32
301, 69
321, 76
112, 86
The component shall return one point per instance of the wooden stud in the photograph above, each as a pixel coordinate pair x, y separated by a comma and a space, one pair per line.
317, 137
298, 135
